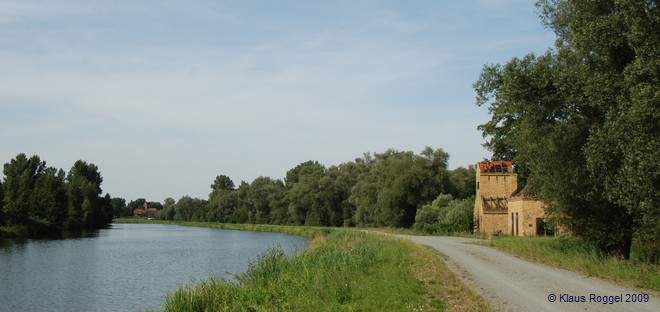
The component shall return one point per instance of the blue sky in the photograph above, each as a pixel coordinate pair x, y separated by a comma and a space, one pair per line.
164, 95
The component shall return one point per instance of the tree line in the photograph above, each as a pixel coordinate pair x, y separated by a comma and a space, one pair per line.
580, 122
383, 189
36, 199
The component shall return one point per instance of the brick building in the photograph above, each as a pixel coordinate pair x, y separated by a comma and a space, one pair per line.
499, 209
141, 211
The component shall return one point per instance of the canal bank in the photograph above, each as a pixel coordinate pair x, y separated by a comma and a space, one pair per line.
341, 270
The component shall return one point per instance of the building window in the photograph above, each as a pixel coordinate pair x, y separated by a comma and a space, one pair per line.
477, 184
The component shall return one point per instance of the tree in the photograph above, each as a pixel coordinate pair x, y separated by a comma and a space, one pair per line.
302, 183
118, 207
581, 121
21, 175
221, 187
190, 209
168, 212
462, 182
155, 204
397, 184
260, 198
242, 212
429, 216
84, 187
345, 177
222, 183
225, 205
50, 195
44, 200
446, 215
106, 209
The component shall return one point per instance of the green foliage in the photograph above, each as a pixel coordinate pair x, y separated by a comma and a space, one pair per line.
396, 185
119, 207
21, 176
84, 187
384, 189
37, 199
222, 183
168, 210
581, 121
446, 215
262, 198
304, 194
189, 209
462, 182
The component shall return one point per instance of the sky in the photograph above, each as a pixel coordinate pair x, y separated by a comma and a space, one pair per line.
164, 95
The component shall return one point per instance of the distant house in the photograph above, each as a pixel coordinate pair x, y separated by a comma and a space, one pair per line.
141, 211
498, 208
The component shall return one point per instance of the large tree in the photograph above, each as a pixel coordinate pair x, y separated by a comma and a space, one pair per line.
50, 195
581, 121
21, 176
220, 189
462, 182
119, 207
261, 200
304, 194
84, 188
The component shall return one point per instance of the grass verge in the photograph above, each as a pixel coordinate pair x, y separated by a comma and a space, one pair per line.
574, 255
342, 270
305, 231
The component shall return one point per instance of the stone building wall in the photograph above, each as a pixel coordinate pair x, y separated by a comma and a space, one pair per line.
493, 190
525, 211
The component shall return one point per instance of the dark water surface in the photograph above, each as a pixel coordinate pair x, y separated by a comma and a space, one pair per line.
128, 267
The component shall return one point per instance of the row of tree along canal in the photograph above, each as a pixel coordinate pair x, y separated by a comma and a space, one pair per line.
383, 189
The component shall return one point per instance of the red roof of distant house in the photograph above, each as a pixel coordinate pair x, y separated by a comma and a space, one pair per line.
496, 166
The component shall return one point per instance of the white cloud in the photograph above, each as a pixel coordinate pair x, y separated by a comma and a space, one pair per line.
163, 119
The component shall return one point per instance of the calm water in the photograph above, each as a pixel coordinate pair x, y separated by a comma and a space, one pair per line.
129, 267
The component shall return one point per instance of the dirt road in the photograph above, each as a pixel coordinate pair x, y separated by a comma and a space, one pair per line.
513, 284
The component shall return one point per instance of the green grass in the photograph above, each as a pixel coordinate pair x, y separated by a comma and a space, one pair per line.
342, 270
575, 255
412, 231
305, 231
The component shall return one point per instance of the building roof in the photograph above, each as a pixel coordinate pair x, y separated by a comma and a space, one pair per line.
496, 166
523, 192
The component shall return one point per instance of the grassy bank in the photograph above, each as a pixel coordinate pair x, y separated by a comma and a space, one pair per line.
305, 231
342, 270
571, 254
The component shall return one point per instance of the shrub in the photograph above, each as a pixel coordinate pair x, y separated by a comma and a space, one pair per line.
445, 215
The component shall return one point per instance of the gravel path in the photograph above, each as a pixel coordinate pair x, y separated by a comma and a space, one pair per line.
512, 284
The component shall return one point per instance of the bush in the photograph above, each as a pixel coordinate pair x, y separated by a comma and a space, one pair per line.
445, 215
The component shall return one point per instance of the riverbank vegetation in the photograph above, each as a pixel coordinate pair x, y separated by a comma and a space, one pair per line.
38, 200
340, 271
576, 255
446, 215
305, 231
